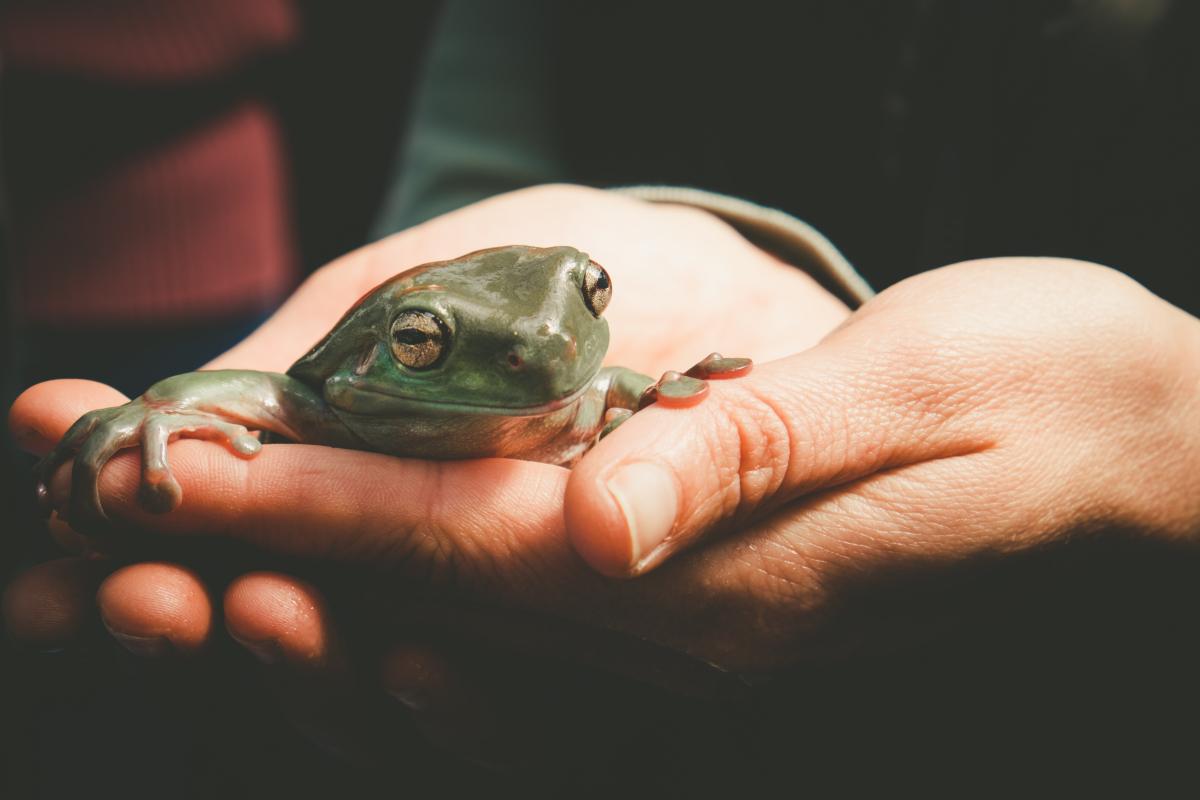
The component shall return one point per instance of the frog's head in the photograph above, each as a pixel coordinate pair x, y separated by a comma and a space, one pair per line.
512, 330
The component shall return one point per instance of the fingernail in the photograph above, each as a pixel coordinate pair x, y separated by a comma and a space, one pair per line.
145, 646
649, 500
413, 699
267, 651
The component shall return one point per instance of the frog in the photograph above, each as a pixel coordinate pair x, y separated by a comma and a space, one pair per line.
496, 353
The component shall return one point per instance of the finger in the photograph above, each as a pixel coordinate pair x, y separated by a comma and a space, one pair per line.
490, 527
157, 609
830, 415
282, 620
49, 606
42, 414
286, 625
498, 518
430, 517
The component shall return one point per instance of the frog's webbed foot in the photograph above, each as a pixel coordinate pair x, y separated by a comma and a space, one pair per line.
160, 492
682, 390
613, 417
98, 435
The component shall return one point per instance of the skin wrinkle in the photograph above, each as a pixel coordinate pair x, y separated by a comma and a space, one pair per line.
516, 564
421, 544
521, 553
703, 504
937, 408
743, 635
321, 477
819, 435
503, 549
723, 499
799, 589
774, 453
400, 551
321, 482
928, 402
814, 557
439, 547
422, 539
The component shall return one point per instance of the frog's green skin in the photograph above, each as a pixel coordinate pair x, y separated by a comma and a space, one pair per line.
520, 376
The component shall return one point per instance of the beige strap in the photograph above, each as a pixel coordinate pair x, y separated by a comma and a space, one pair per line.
790, 238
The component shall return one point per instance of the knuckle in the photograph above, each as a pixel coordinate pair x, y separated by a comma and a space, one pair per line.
754, 454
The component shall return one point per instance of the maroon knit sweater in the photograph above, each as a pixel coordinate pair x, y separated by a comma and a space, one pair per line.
146, 180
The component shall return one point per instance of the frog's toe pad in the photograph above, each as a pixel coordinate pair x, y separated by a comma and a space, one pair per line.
613, 419
675, 390
715, 366
246, 445
160, 492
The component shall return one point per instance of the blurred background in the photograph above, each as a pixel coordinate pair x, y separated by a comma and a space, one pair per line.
171, 169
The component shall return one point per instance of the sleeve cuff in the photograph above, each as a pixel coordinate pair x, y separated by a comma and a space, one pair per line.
791, 239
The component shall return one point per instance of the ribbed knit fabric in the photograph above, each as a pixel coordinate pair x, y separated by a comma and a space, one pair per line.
166, 198
140, 41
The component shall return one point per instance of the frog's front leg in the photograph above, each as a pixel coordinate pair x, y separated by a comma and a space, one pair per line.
221, 405
623, 389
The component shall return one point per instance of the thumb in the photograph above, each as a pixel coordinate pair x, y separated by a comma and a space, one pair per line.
846, 409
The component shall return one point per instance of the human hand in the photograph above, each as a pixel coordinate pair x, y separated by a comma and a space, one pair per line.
681, 278
986, 407
968, 413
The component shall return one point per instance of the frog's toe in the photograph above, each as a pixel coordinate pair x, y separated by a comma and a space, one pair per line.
613, 419
63, 452
245, 443
717, 366
159, 492
85, 507
239, 439
674, 390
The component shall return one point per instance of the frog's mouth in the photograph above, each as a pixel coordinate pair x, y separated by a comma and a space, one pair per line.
358, 398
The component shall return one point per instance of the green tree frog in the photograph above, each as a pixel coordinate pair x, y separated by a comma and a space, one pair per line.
495, 353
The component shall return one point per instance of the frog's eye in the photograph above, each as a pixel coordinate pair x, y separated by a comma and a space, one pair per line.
597, 288
419, 339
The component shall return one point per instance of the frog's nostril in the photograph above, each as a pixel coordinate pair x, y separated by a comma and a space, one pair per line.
515, 361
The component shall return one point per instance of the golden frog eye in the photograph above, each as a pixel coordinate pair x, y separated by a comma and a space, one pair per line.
419, 339
597, 288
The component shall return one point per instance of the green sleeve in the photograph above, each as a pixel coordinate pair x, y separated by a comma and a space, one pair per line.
482, 119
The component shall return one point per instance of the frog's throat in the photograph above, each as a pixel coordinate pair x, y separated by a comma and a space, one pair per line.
343, 402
